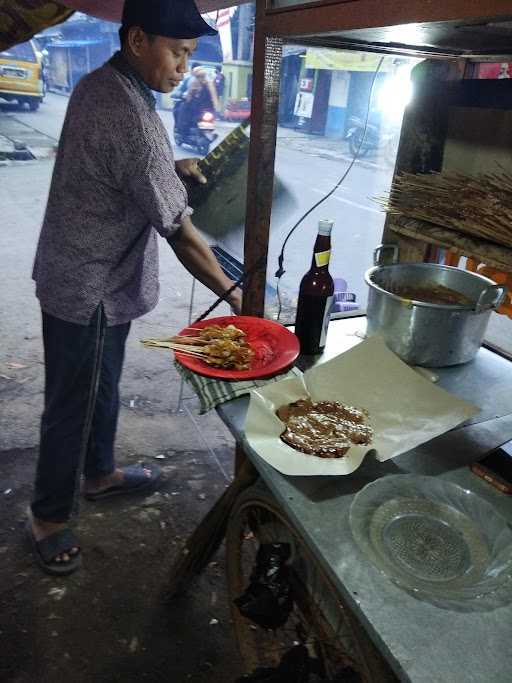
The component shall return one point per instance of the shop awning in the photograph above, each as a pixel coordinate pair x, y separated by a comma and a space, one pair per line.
344, 60
22, 19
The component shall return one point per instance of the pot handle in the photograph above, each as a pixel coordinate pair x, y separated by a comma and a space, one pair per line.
378, 251
487, 301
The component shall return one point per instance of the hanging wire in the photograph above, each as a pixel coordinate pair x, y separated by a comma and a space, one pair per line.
280, 270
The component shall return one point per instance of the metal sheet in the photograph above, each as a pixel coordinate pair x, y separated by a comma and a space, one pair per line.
421, 642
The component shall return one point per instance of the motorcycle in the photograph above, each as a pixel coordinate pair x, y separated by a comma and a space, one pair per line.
362, 142
199, 136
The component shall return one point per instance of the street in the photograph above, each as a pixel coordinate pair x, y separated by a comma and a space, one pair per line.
107, 622
48, 119
358, 221
308, 167
307, 176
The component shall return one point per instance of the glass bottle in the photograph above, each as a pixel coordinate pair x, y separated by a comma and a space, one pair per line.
316, 295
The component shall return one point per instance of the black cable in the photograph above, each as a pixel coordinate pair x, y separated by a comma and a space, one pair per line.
221, 298
244, 278
281, 271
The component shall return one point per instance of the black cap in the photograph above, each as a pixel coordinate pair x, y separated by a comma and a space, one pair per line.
170, 18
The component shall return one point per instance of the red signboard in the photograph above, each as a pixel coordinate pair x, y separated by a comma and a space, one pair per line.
306, 84
499, 70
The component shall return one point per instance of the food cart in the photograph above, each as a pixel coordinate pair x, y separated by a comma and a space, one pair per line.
352, 613
371, 624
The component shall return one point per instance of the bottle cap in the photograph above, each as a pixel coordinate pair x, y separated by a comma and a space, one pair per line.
325, 226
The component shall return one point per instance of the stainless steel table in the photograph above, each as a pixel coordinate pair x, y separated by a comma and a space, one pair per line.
421, 642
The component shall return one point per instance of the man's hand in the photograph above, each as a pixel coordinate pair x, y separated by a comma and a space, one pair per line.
188, 168
235, 301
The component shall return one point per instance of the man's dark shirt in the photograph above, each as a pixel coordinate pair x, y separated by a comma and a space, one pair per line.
114, 186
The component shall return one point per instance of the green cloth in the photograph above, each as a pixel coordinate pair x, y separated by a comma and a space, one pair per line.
212, 392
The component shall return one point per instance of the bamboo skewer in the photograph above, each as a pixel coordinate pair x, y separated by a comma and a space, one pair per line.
222, 347
473, 205
195, 351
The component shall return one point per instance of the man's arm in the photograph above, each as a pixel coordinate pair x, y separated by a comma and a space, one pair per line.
197, 257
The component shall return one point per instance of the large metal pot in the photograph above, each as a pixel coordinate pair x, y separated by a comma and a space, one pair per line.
434, 335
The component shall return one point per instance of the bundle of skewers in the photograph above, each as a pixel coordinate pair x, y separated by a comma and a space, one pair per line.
479, 205
222, 347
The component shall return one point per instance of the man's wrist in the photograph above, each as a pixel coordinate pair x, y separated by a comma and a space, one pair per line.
235, 299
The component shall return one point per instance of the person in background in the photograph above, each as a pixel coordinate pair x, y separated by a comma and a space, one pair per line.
504, 71
115, 191
219, 81
199, 97
183, 86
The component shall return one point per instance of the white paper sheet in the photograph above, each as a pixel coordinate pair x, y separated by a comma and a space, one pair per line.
405, 409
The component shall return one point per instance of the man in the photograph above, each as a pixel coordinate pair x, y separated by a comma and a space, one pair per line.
504, 71
196, 100
219, 81
114, 191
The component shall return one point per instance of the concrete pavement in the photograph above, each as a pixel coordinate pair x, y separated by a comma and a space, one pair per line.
26, 135
107, 622
333, 149
35, 134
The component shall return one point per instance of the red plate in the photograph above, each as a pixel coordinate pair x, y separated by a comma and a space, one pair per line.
275, 348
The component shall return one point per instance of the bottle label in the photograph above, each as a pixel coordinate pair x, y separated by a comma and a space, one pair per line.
322, 258
327, 318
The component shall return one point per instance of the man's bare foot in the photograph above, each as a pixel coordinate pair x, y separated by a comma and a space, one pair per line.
104, 483
42, 530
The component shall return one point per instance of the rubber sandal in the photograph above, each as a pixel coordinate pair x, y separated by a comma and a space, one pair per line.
55, 544
135, 481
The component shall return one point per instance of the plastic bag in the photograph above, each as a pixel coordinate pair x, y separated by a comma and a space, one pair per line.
267, 601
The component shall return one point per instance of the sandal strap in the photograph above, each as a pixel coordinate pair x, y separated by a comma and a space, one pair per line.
57, 543
134, 474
